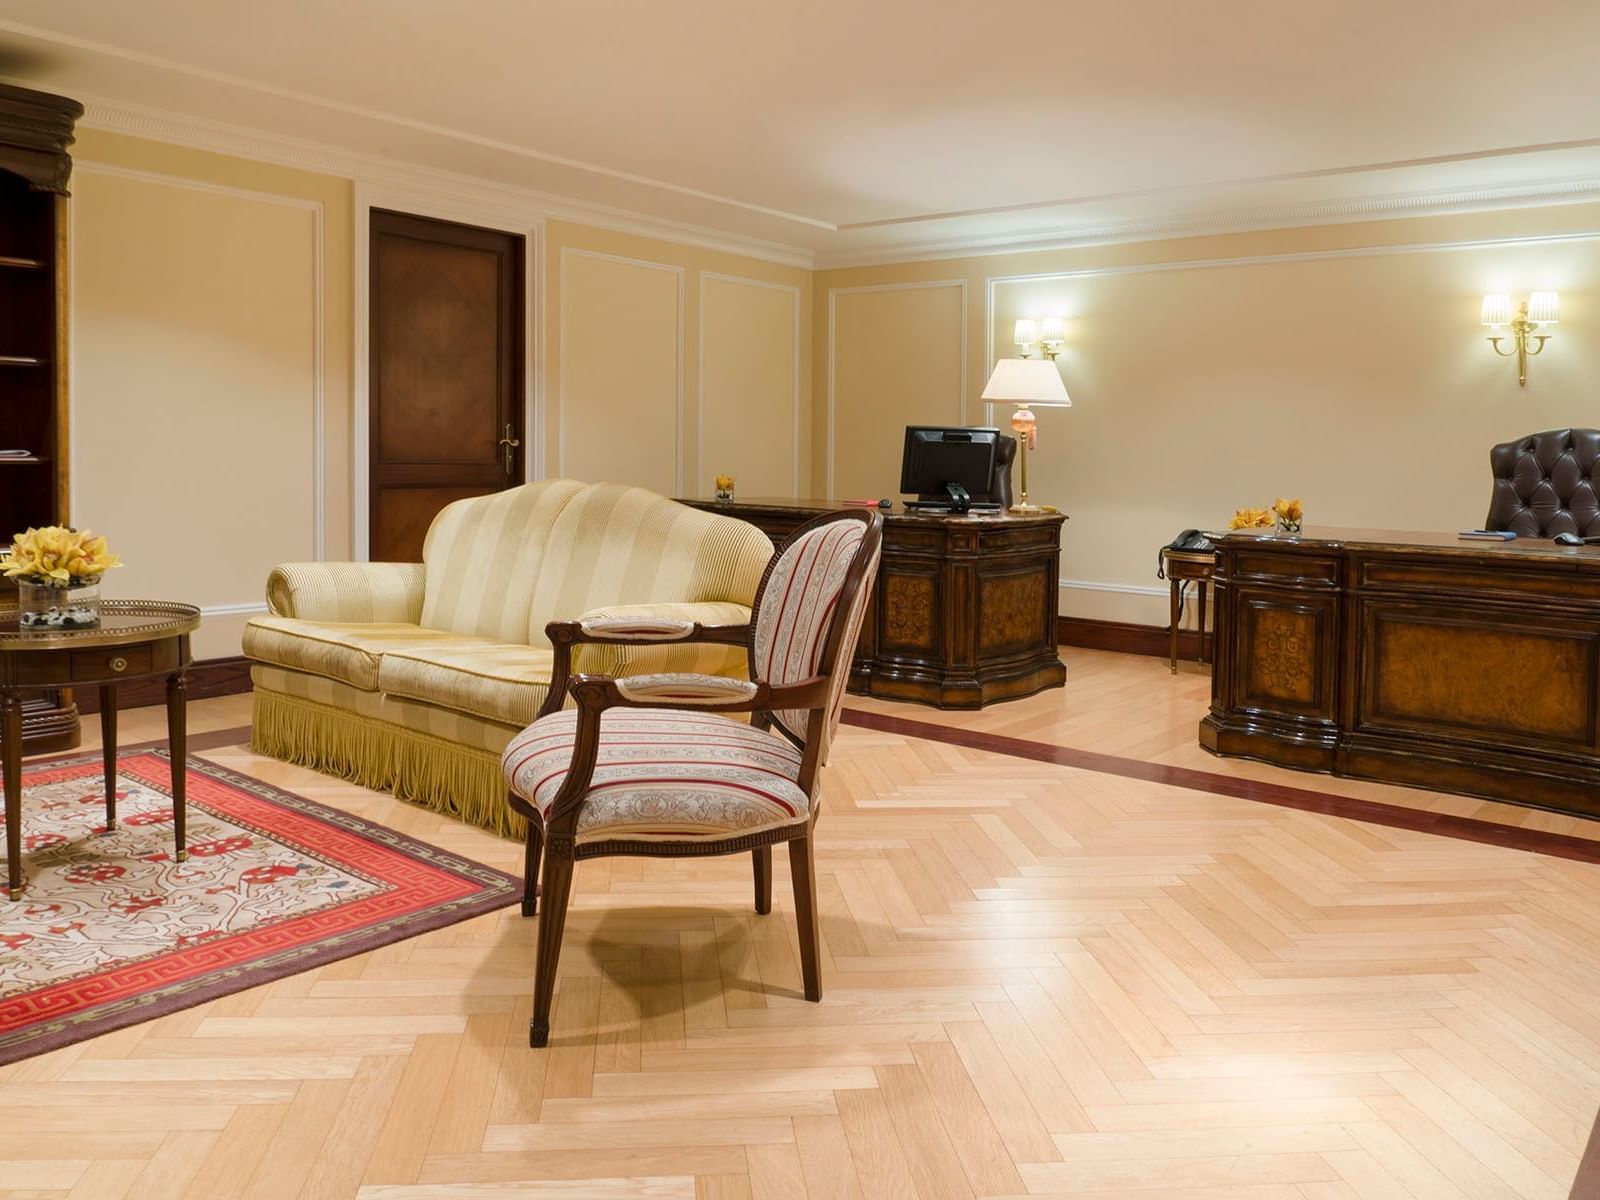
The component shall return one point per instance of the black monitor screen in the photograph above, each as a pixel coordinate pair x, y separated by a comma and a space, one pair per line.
937, 455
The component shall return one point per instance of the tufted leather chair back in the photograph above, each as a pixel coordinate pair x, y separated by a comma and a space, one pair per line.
1547, 483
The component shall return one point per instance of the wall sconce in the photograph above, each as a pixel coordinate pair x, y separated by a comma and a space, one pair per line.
1539, 309
1048, 333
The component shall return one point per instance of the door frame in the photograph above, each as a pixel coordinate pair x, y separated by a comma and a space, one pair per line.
504, 218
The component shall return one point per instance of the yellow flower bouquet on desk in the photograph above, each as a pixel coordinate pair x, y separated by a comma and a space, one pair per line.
1251, 518
1289, 513
57, 571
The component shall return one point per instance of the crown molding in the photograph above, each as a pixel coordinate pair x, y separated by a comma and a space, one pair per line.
1536, 194
521, 203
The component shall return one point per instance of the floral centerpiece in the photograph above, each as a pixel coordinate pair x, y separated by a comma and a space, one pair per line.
1251, 518
1289, 513
57, 571
725, 488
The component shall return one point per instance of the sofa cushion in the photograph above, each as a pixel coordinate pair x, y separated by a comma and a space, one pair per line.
349, 653
493, 680
664, 775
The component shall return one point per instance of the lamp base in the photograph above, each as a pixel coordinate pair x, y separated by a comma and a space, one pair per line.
1025, 507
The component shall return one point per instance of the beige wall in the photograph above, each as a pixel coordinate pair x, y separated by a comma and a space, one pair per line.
1343, 365
666, 364
210, 322
212, 316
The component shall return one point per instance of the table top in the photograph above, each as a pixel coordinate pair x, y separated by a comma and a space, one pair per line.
122, 623
1323, 537
899, 512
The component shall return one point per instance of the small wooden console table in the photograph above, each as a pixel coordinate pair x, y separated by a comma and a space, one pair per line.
964, 609
135, 639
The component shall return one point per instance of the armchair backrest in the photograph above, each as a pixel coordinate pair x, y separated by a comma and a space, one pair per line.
1547, 483
483, 556
808, 615
617, 545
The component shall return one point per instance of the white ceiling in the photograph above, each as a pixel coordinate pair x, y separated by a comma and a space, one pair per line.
883, 128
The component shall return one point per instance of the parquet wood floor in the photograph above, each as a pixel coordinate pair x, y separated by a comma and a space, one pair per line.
1039, 981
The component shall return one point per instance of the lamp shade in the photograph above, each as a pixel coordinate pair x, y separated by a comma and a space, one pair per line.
1027, 381
1544, 308
1025, 332
1052, 329
1496, 309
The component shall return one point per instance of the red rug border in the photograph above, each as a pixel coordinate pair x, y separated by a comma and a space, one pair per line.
490, 889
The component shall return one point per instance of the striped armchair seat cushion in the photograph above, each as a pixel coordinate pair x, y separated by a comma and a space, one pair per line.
664, 775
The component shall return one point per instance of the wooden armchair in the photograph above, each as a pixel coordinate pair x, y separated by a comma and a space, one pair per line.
651, 765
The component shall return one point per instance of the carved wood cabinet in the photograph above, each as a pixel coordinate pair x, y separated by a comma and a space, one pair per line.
964, 611
1459, 666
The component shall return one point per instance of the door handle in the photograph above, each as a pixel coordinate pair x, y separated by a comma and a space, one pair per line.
510, 443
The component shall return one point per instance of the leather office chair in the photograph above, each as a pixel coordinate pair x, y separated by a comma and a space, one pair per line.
1547, 483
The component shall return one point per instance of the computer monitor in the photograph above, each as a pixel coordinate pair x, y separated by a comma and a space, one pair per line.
948, 467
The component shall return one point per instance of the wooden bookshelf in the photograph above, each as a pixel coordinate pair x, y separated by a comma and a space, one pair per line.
35, 168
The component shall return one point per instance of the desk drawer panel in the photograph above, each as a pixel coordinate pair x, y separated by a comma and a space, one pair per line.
1480, 579
1483, 673
1285, 568
111, 662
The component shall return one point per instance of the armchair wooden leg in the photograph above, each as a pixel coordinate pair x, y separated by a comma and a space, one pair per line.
530, 869
802, 865
763, 860
552, 922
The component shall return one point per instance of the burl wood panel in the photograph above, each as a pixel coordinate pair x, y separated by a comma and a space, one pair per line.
1422, 661
910, 609
1481, 674
1011, 611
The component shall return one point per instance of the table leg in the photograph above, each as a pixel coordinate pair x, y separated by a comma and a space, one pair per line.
108, 749
178, 751
1174, 655
1202, 615
11, 760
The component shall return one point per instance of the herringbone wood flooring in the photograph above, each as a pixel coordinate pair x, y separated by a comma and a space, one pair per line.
1039, 981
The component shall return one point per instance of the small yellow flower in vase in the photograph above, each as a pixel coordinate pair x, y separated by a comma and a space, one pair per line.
725, 488
1290, 515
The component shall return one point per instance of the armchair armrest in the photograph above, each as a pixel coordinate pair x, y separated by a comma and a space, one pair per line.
685, 690
347, 591
651, 630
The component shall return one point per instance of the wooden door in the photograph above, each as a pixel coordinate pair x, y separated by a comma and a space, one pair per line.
445, 380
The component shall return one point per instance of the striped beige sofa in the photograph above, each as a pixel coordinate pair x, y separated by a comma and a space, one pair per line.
412, 677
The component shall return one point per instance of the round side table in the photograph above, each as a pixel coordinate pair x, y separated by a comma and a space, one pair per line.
134, 640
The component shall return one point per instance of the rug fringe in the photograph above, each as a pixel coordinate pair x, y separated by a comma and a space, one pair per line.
428, 771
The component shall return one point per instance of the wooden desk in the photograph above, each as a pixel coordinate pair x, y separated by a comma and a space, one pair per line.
1421, 659
1185, 566
964, 610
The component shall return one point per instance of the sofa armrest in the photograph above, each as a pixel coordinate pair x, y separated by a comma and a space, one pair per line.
347, 591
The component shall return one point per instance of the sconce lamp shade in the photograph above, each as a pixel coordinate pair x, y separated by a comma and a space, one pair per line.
1053, 329
1496, 309
1544, 308
1027, 381
1026, 332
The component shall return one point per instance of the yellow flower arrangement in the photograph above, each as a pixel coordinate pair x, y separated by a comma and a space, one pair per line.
724, 483
56, 556
1288, 512
1251, 518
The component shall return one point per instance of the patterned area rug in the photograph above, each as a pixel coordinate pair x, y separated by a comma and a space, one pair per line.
112, 930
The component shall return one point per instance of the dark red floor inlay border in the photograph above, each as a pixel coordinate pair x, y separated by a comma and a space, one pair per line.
1469, 829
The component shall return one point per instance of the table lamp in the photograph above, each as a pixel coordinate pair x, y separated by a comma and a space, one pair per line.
1028, 383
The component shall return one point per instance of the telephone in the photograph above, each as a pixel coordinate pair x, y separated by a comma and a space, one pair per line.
1189, 539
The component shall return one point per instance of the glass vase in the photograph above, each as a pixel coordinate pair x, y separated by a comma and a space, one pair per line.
50, 608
